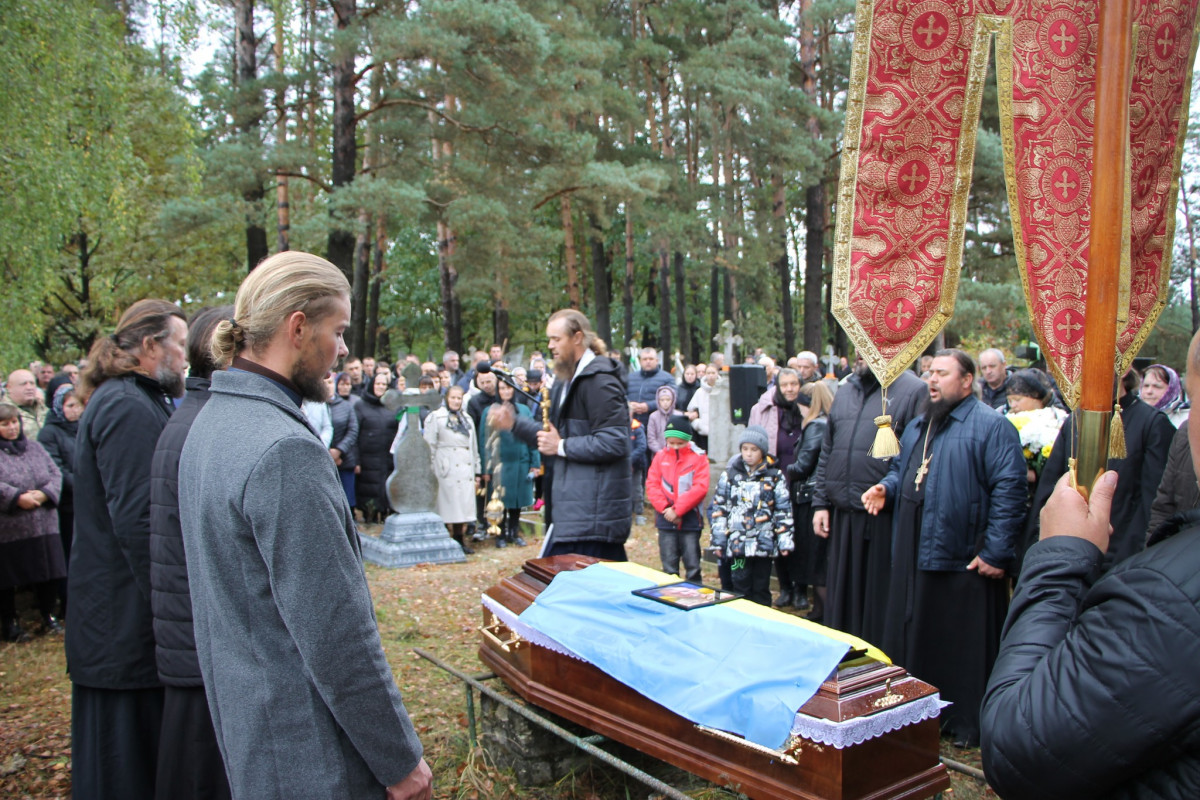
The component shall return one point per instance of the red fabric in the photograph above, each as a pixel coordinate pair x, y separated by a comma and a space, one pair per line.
669, 465
912, 118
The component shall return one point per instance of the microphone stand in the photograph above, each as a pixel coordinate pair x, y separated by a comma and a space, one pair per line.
508, 379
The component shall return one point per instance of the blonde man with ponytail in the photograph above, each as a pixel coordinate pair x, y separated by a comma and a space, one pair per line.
304, 703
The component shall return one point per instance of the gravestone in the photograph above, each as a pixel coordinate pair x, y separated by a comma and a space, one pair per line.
414, 533
722, 433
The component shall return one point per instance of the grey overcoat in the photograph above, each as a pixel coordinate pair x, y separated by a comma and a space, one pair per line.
302, 698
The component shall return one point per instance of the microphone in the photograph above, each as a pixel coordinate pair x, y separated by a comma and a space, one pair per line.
484, 368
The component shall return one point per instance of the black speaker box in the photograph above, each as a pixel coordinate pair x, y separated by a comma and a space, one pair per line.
747, 382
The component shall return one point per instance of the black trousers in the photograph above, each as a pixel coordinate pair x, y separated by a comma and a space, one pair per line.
752, 578
189, 761
114, 742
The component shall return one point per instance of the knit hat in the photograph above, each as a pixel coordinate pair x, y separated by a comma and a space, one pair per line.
757, 436
678, 427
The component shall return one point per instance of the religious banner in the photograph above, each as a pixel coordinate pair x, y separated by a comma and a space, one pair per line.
916, 86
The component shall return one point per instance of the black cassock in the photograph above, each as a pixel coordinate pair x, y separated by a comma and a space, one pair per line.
859, 566
943, 627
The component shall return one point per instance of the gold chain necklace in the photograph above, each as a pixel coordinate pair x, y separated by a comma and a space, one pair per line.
926, 456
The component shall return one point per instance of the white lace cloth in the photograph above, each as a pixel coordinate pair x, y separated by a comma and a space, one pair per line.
838, 735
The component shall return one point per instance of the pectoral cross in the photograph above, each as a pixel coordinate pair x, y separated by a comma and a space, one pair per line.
922, 471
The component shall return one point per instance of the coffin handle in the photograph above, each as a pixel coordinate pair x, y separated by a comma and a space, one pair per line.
492, 632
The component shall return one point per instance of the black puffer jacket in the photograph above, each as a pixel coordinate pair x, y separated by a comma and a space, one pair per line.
377, 428
845, 470
170, 597
345, 429
1177, 491
110, 631
1094, 693
589, 493
58, 437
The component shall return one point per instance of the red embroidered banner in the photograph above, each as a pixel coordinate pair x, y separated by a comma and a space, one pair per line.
916, 85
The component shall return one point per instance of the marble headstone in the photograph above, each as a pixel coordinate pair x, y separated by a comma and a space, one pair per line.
722, 432
414, 533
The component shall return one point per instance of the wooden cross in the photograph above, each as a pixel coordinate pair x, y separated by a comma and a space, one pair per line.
922, 471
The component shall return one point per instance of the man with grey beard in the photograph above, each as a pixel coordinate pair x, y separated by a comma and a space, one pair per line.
116, 699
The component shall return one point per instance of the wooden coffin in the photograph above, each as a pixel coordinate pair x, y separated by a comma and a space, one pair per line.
901, 764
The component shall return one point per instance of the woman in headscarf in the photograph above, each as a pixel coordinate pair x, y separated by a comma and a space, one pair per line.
57, 436
31, 553
1162, 389
450, 434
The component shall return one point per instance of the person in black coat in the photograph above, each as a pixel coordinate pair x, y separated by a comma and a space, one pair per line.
116, 697
377, 427
860, 545
189, 761
57, 436
1148, 434
345, 434
1093, 693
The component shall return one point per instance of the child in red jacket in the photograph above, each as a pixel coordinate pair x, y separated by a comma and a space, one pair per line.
676, 485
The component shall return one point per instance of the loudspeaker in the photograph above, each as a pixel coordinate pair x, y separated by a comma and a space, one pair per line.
747, 382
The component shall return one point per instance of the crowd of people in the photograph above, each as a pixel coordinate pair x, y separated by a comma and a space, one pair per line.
104, 482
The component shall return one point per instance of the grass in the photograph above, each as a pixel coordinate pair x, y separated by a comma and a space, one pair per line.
435, 608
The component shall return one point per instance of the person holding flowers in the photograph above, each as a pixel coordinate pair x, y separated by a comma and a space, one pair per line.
1037, 421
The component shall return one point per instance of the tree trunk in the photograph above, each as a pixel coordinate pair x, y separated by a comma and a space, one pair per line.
451, 306
1185, 202
572, 263
249, 114
600, 280
783, 267
341, 243
714, 305
814, 264
359, 287
627, 287
681, 314
664, 301
282, 206
372, 344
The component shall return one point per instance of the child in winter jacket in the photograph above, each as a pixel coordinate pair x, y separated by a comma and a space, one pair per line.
676, 485
656, 426
752, 516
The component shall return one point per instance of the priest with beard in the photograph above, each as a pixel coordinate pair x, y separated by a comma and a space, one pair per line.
957, 493
860, 545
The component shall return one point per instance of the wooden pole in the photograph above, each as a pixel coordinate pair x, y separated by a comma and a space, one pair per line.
1114, 58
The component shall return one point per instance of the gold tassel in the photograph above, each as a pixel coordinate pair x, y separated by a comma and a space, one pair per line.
1116, 434
886, 444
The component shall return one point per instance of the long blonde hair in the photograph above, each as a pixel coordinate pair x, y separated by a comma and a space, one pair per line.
281, 285
821, 400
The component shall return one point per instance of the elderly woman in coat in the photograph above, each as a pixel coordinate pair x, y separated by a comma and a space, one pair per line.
450, 434
30, 551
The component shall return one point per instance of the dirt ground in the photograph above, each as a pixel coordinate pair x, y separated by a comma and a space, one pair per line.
433, 608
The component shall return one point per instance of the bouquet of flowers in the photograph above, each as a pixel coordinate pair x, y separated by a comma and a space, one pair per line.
1038, 430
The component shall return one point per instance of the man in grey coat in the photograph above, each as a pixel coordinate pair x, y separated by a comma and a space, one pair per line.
303, 700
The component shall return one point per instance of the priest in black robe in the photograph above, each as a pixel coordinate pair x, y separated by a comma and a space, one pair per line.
957, 492
860, 545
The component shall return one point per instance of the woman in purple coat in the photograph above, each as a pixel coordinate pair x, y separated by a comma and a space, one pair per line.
30, 550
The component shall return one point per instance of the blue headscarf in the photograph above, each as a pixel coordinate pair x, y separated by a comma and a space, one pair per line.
1174, 392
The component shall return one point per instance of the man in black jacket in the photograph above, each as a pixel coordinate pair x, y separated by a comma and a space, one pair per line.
189, 761
1094, 691
116, 697
860, 545
588, 487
